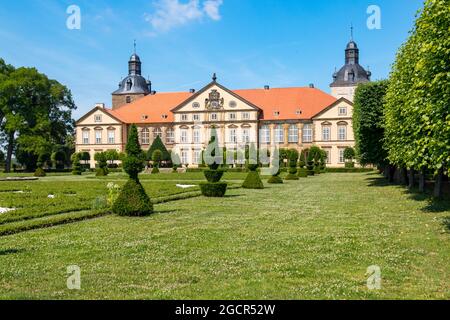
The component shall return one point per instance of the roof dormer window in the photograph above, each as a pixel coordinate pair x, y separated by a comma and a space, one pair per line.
145, 117
276, 113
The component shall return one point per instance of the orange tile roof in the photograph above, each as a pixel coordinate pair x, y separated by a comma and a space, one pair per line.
154, 107
286, 102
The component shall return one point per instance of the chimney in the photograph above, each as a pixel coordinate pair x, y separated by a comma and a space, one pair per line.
311, 85
192, 91
100, 105
266, 87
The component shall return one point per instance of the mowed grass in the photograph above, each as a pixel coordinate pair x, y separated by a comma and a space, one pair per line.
307, 239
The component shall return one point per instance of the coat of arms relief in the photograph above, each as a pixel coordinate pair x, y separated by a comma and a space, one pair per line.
214, 102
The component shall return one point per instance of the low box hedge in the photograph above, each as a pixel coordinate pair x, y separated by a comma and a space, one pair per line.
213, 190
349, 170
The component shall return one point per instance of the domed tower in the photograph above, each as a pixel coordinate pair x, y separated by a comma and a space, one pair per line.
132, 87
350, 75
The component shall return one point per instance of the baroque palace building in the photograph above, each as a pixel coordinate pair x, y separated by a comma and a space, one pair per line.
296, 117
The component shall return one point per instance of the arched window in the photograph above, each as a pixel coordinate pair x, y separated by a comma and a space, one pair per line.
264, 134
129, 84
279, 134
157, 132
293, 133
128, 99
145, 136
326, 132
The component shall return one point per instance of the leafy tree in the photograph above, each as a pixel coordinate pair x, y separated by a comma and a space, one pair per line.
40, 164
111, 156
36, 112
158, 145
59, 158
101, 159
2, 158
349, 153
417, 113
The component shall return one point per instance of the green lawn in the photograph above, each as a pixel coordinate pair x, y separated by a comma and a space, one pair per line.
307, 239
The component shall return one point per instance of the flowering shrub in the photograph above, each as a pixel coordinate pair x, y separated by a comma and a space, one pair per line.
113, 193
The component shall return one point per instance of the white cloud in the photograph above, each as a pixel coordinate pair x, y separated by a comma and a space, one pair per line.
211, 8
170, 14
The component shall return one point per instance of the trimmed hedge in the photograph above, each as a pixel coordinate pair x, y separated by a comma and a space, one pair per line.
303, 173
155, 170
349, 170
275, 180
39, 172
213, 175
213, 190
291, 176
253, 181
133, 201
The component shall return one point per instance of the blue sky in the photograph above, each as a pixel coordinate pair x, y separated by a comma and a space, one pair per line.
249, 43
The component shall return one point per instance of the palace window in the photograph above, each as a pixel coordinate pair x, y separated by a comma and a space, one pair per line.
184, 136
170, 136
145, 136
128, 99
245, 116
196, 117
233, 138
328, 153
245, 136
293, 133
342, 132
232, 116
265, 134
326, 133
184, 117
342, 111
157, 133
307, 133
111, 136
279, 134
341, 155
196, 135
213, 116
98, 118
98, 136
184, 157
85, 136
197, 154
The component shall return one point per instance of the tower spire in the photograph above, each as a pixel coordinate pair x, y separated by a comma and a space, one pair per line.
351, 31
135, 46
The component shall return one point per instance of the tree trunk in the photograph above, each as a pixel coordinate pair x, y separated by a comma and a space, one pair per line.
422, 181
411, 179
391, 173
404, 176
438, 184
9, 152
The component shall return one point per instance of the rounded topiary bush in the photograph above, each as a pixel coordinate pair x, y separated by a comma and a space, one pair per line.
213, 175
217, 189
291, 176
317, 169
101, 172
133, 201
253, 181
275, 180
39, 172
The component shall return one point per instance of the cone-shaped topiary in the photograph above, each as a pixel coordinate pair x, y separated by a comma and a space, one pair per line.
133, 200
275, 168
253, 180
76, 165
293, 158
213, 158
158, 145
102, 169
156, 158
302, 171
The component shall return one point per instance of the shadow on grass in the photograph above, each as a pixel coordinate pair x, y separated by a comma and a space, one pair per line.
431, 204
164, 211
446, 223
5, 252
